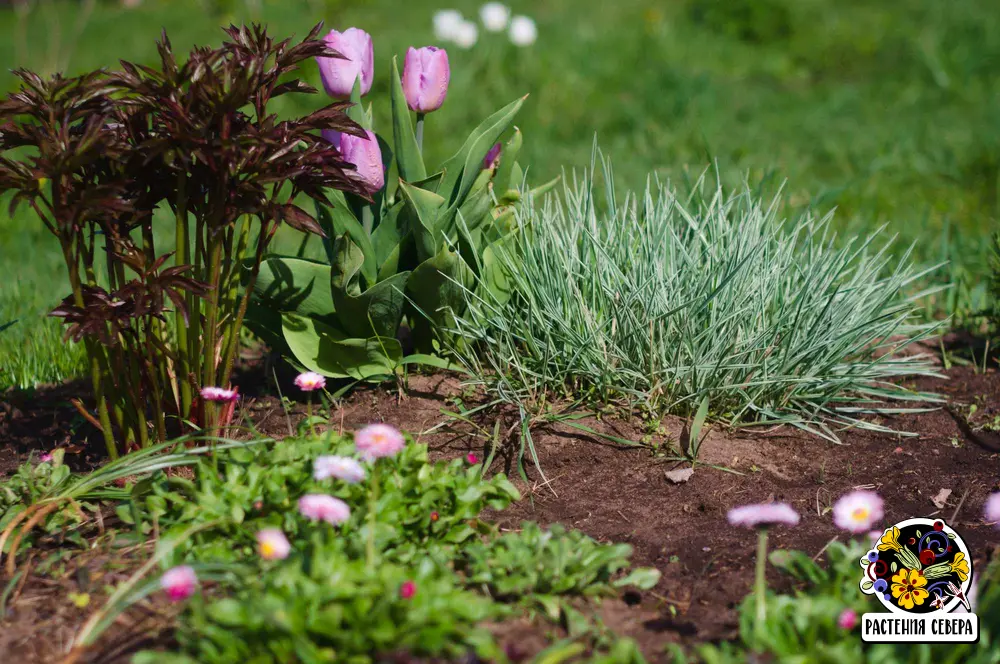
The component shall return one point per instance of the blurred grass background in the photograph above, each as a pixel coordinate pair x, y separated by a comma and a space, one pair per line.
889, 112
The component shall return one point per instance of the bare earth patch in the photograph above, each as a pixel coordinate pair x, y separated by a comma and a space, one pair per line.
615, 494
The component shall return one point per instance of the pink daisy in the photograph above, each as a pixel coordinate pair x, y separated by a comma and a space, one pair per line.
309, 381
272, 544
765, 514
219, 394
378, 440
179, 583
345, 469
320, 507
858, 511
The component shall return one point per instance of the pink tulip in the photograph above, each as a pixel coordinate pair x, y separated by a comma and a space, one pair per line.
179, 583
365, 154
425, 78
338, 74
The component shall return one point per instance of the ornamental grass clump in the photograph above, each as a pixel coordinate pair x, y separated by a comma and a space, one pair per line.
96, 156
664, 298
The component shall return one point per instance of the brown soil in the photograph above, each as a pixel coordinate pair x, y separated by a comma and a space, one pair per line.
616, 494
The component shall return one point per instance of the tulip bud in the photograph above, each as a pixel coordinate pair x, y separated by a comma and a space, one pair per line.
365, 154
339, 75
425, 78
492, 157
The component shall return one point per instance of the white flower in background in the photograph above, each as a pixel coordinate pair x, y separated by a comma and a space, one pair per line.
523, 31
447, 23
494, 16
466, 35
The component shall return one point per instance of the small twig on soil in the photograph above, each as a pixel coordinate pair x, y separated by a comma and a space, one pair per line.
681, 604
958, 508
825, 547
623, 516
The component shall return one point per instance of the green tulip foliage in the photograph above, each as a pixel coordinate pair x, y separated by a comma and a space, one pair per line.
407, 255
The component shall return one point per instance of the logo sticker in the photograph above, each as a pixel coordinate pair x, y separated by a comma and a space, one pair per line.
921, 571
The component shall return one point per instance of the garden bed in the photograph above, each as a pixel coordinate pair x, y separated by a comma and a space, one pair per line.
613, 494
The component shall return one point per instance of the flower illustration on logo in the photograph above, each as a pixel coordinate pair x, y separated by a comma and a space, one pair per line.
917, 566
908, 588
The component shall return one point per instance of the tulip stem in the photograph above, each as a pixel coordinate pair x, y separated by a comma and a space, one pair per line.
420, 132
760, 585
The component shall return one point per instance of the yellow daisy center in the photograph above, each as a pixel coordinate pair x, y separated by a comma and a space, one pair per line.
860, 514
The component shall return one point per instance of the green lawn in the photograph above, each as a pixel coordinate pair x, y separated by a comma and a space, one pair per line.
889, 111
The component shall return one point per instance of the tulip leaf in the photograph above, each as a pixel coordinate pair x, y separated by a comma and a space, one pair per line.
356, 111
408, 158
427, 207
543, 189
493, 275
325, 350
437, 289
339, 220
265, 322
390, 264
431, 182
508, 158
464, 166
294, 284
388, 235
375, 312
345, 271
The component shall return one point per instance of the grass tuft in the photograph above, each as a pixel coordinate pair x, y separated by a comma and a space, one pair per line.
662, 299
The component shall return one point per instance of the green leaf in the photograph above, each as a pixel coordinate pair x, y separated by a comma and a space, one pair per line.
508, 157
643, 578
340, 221
461, 170
374, 312
543, 189
437, 288
867, 585
409, 161
427, 207
294, 284
326, 350
434, 361
387, 238
229, 612
356, 111
494, 277
562, 651
345, 270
